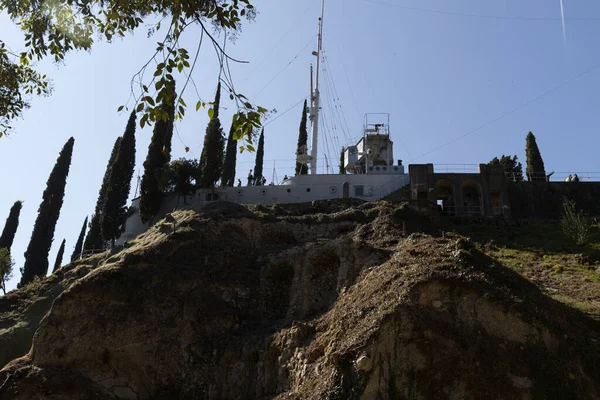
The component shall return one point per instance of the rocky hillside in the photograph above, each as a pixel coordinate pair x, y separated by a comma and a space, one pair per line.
313, 301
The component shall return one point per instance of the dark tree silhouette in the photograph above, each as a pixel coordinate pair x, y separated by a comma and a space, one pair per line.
36, 255
228, 175
535, 164
10, 228
156, 166
211, 159
93, 240
511, 166
114, 210
79, 245
260, 154
59, 256
302, 169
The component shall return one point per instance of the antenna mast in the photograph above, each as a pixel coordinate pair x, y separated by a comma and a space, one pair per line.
314, 99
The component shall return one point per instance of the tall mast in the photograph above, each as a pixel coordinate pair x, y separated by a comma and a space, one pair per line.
314, 99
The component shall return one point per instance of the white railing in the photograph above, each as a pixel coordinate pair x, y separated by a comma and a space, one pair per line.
456, 168
556, 176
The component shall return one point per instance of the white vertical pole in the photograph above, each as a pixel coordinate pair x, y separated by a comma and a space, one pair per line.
314, 109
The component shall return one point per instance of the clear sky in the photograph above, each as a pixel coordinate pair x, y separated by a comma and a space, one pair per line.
474, 75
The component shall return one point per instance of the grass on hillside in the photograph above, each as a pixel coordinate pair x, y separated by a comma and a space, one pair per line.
542, 253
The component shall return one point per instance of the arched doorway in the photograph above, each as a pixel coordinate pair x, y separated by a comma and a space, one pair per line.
472, 202
346, 190
445, 199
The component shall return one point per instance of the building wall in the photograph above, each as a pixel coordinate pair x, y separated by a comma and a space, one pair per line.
462, 194
303, 188
545, 199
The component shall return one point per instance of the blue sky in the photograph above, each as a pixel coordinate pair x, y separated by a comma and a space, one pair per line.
440, 75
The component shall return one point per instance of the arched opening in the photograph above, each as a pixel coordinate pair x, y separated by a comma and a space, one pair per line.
346, 190
471, 193
444, 192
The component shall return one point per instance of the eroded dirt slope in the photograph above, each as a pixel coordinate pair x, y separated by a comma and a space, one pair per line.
309, 302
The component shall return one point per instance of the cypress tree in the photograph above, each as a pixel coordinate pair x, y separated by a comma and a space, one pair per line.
36, 256
535, 164
59, 256
156, 165
230, 158
342, 169
93, 240
114, 209
79, 244
302, 169
260, 153
211, 159
10, 228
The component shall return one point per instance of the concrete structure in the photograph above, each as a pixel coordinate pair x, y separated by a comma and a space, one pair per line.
481, 193
299, 189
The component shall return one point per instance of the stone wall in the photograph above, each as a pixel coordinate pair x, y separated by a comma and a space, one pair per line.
545, 199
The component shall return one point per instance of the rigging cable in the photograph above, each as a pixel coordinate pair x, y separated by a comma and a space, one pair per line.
514, 110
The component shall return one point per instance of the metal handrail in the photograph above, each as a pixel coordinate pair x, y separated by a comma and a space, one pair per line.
448, 168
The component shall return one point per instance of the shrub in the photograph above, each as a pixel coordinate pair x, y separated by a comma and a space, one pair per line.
574, 224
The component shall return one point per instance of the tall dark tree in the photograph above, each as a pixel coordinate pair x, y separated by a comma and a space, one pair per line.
511, 166
59, 256
228, 175
93, 240
342, 169
302, 169
36, 256
10, 228
535, 164
211, 159
156, 166
260, 155
114, 209
79, 245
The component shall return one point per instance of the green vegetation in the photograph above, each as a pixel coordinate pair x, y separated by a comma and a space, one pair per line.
535, 164
541, 252
155, 167
36, 256
211, 159
6, 267
302, 169
228, 176
182, 177
59, 256
79, 244
93, 240
574, 224
114, 210
10, 227
511, 166
53, 29
260, 154
342, 169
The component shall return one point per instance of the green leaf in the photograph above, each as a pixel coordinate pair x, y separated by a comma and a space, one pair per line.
211, 112
120, 108
140, 107
198, 105
250, 148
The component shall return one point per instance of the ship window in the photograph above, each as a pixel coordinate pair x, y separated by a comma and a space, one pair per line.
308, 189
263, 191
332, 189
370, 168
289, 190
240, 192
359, 190
384, 168
377, 168
395, 168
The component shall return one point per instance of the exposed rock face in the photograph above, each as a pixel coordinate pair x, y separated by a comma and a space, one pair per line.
237, 304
